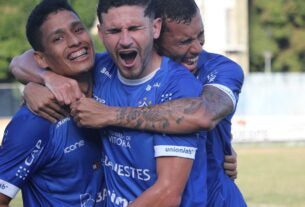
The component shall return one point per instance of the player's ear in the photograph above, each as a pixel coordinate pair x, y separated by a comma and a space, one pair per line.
40, 59
157, 23
100, 33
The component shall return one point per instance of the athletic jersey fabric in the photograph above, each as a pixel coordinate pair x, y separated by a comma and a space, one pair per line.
221, 72
53, 164
129, 160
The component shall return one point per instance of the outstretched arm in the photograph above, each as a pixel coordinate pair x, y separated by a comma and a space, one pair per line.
173, 174
179, 116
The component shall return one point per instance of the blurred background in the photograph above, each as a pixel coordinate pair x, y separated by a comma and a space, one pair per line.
267, 38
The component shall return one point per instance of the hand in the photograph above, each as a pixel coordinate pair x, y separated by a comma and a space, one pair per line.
42, 102
87, 112
230, 165
65, 90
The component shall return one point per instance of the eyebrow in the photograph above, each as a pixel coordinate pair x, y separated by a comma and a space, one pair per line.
59, 31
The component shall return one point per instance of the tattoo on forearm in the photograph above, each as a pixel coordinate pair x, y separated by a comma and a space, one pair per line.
174, 114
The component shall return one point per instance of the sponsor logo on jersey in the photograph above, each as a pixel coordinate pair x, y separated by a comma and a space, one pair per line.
61, 122
23, 170
3, 186
86, 200
114, 198
183, 150
98, 99
155, 85
74, 146
127, 171
106, 72
119, 139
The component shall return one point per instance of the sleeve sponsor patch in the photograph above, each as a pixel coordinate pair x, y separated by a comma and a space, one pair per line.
8, 189
175, 151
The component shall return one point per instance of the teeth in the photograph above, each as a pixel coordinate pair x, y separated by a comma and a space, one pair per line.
191, 61
78, 54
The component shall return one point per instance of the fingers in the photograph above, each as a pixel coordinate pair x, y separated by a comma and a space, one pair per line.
66, 93
230, 166
231, 158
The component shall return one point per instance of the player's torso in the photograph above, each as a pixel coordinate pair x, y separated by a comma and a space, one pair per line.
129, 155
72, 175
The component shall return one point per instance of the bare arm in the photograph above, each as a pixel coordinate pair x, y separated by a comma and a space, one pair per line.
178, 116
25, 69
173, 174
4, 200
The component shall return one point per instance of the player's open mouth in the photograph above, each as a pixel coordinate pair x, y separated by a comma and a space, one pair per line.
128, 57
78, 54
190, 61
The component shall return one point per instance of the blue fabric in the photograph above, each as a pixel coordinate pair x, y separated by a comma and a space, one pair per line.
217, 70
130, 156
53, 164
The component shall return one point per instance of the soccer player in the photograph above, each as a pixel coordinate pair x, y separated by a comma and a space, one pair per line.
182, 39
143, 168
54, 164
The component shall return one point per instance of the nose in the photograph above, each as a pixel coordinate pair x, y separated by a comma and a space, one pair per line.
125, 39
196, 47
73, 40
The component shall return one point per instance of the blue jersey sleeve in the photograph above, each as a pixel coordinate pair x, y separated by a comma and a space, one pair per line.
224, 74
182, 84
23, 143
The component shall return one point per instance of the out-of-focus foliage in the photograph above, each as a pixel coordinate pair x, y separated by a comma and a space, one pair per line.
13, 17
278, 26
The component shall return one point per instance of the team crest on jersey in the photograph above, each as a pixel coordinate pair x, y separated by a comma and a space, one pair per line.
211, 77
144, 102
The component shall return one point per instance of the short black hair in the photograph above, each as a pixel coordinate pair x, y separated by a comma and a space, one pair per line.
105, 5
180, 11
39, 15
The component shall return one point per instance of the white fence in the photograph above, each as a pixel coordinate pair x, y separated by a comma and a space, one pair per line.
271, 108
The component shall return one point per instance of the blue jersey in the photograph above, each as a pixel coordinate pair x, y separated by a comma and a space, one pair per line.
221, 72
129, 159
53, 164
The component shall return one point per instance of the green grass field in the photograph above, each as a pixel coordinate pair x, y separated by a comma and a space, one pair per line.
269, 175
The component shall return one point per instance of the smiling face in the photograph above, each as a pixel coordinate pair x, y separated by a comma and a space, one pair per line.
183, 41
68, 48
128, 37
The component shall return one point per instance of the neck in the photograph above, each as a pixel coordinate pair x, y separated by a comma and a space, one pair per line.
154, 62
84, 81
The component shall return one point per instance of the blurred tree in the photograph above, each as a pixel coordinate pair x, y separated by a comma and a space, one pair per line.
13, 19
277, 27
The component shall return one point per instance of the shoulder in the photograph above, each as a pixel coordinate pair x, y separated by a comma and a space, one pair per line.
25, 129
220, 64
180, 79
